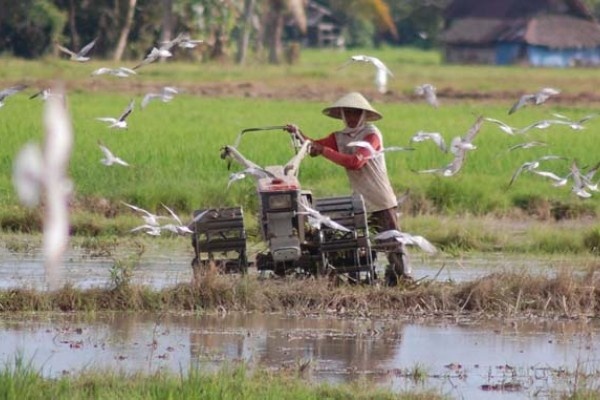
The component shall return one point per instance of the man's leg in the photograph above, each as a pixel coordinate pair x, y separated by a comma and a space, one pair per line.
399, 266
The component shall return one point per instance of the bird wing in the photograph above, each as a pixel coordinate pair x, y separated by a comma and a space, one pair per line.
363, 144
386, 235
87, 48
175, 216
423, 244
379, 65
332, 224
107, 119
151, 57
526, 165
521, 102
102, 70
127, 111
147, 98
65, 50
11, 90
473, 130
456, 163
127, 70
547, 174
138, 209
107, 153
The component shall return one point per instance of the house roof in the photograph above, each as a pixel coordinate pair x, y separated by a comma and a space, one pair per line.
562, 31
506, 9
499, 21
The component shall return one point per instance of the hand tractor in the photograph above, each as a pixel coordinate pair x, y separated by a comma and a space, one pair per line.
303, 234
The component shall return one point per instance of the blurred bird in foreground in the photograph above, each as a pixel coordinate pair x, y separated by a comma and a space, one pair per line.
42, 173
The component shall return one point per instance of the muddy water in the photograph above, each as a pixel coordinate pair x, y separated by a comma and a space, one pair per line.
165, 264
460, 358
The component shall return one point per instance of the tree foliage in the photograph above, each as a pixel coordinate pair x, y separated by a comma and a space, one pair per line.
29, 28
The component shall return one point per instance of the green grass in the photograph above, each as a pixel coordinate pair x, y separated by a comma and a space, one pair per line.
21, 381
174, 148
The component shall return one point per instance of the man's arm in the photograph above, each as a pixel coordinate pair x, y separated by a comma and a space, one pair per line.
352, 161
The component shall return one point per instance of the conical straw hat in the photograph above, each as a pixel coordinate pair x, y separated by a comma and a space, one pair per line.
352, 100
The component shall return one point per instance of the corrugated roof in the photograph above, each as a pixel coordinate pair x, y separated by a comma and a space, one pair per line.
505, 9
555, 31
474, 31
562, 31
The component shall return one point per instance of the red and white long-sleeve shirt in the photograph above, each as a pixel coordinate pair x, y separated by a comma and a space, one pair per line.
368, 176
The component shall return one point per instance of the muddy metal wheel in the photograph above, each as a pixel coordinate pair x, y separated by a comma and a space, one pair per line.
219, 237
346, 252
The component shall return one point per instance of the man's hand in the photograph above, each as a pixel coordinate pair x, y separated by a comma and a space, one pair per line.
316, 149
291, 128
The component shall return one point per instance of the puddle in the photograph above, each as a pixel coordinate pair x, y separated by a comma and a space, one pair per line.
460, 359
163, 265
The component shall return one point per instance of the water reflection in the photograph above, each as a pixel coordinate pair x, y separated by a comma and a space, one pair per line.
458, 358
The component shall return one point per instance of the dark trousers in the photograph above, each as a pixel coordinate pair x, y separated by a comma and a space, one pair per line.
386, 220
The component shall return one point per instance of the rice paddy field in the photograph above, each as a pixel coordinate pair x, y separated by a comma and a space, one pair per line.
174, 147
174, 154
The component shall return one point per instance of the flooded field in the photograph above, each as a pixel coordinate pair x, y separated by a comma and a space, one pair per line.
460, 358
162, 265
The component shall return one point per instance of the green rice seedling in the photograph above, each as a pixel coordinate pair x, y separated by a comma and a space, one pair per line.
591, 240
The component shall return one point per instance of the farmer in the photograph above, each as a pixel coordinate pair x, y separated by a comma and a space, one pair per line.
367, 175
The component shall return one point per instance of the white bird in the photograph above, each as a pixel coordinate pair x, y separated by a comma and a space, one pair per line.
152, 230
121, 121
167, 94
28, 171
155, 54
58, 187
558, 180
527, 145
588, 176
466, 142
543, 124
449, 169
579, 187
406, 239
429, 92
573, 124
4, 93
80, 56
148, 217
534, 99
182, 40
531, 165
256, 172
109, 158
436, 137
376, 153
43, 173
180, 228
381, 70
504, 127
317, 220
43, 94
459, 148
120, 72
